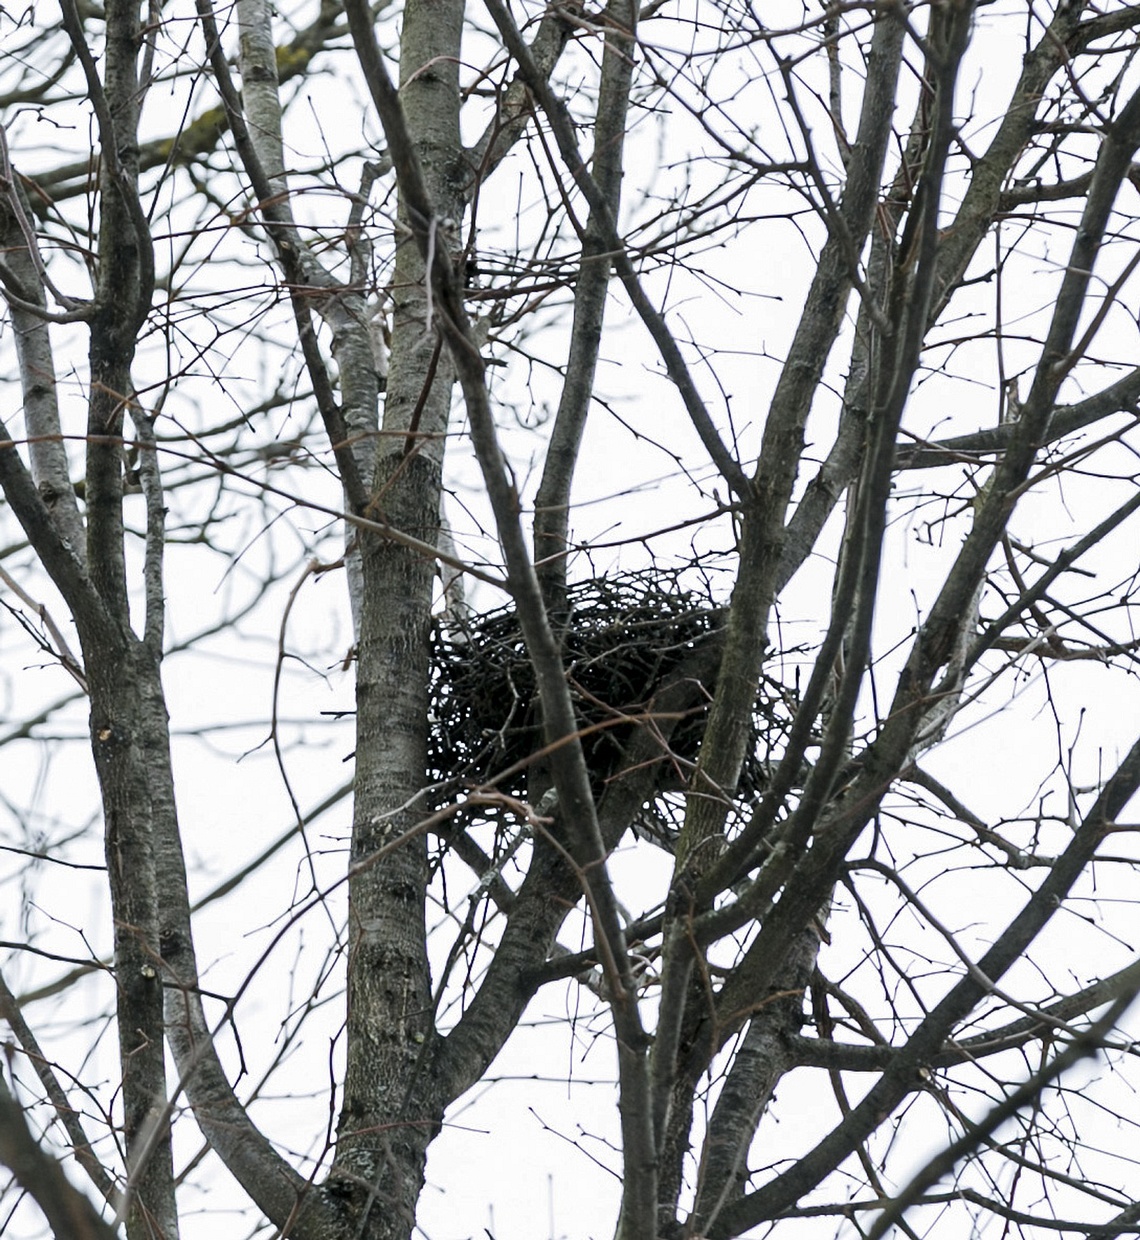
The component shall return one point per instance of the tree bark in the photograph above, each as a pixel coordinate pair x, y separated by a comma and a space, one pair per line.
389, 1116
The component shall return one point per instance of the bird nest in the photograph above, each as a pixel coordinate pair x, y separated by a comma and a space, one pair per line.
626, 639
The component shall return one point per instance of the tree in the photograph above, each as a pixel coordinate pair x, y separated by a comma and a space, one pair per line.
755, 768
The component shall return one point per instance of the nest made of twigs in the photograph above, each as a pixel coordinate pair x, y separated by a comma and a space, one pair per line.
626, 638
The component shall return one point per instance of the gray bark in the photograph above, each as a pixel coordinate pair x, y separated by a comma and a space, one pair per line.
552, 503
388, 1116
46, 450
124, 283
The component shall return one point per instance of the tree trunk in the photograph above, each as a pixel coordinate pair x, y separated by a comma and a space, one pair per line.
386, 1121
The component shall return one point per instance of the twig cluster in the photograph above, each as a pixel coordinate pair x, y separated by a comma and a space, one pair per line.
625, 639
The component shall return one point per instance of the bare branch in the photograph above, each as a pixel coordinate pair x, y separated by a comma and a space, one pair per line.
69, 1214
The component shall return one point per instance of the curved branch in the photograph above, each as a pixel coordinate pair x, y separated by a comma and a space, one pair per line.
515, 107
69, 1214
850, 1057
1119, 397
67, 1115
1025, 1095
928, 1039
284, 1195
63, 565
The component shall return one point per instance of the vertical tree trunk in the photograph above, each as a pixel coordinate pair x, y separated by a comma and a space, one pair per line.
121, 742
111, 653
388, 1118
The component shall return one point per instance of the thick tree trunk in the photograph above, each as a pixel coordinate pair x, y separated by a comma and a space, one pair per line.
122, 744
386, 1121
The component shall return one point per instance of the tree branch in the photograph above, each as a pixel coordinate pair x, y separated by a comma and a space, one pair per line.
927, 1040
67, 1115
563, 129
69, 1214
552, 502
1081, 1047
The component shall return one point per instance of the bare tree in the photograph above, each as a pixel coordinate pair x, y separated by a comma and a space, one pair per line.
777, 366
